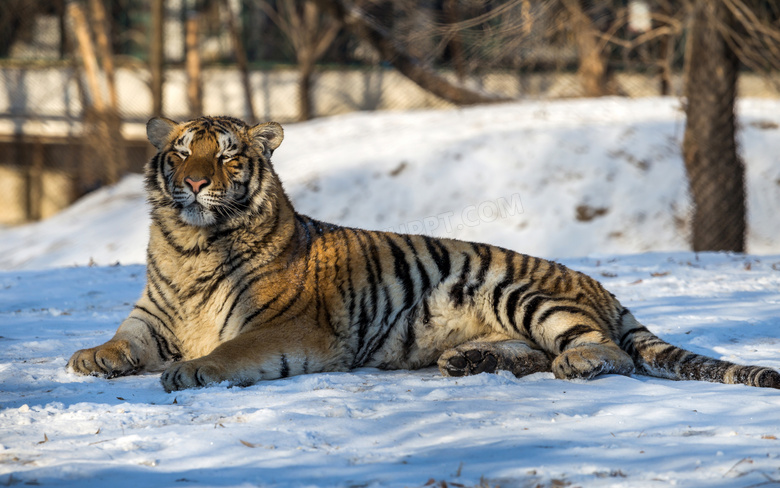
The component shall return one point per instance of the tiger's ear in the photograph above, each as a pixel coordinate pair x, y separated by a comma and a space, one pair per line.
270, 135
158, 131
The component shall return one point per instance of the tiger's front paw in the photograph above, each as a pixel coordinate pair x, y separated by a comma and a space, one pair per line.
112, 359
192, 374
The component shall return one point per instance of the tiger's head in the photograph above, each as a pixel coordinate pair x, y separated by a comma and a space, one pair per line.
211, 169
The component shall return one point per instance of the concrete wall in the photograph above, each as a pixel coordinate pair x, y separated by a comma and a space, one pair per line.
37, 195
52, 95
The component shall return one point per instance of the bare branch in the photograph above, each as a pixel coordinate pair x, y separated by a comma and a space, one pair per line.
363, 26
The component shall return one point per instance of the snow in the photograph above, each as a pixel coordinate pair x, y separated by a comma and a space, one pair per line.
512, 175
535, 162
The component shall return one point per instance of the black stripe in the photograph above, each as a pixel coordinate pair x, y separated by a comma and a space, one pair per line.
411, 336
350, 286
568, 309
375, 258
289, 303
530, 309
156, 304
242, 279
319, 306
547, 275
402, 271
363, 325
388, 301
485, 258
440, 256
663, 356
164, 349
237, 299
158, 319
536, 263
285, 367
509, 278
377, 345
523, 266
366, 309
425, 279
248, 319
629, 333
223, 231
372, 278
152, 263
564, 338
154, 277
426, 318
457, 291
168, 237
511, 304
158, 340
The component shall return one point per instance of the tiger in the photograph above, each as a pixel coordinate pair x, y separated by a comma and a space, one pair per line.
241, 288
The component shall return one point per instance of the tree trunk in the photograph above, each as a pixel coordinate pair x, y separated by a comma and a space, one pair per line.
87, 52
109, 119
665, 64
104, 48
102, 126
156, 55
452, 16
63, 25
305, 109
593, 69
241, 60
194, 84
715, 172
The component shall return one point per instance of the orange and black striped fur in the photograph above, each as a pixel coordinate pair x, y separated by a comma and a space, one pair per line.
241, 288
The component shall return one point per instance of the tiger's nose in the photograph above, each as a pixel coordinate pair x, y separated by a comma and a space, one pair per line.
197, 185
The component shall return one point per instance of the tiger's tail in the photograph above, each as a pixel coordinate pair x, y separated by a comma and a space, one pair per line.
655, 357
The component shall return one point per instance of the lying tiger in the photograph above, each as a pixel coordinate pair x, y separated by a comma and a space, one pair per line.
242, 288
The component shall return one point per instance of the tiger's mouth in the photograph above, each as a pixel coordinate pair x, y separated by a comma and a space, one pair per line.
196, 214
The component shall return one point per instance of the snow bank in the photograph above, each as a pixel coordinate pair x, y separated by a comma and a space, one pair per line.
554, 179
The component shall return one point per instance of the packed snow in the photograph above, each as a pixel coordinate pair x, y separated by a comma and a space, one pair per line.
598, 185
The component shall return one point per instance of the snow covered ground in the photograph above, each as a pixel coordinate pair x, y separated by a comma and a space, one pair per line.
513, 176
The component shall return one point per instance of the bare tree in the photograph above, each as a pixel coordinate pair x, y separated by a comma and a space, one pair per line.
593, 69
241, 60
452, 15
104, 163
715, 172
310, 31
156, 55
192, 61
366, 28
722, 33
100, 27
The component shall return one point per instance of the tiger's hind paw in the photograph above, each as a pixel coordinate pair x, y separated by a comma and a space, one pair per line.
195, 373
591, 360
467, 362
488, 357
